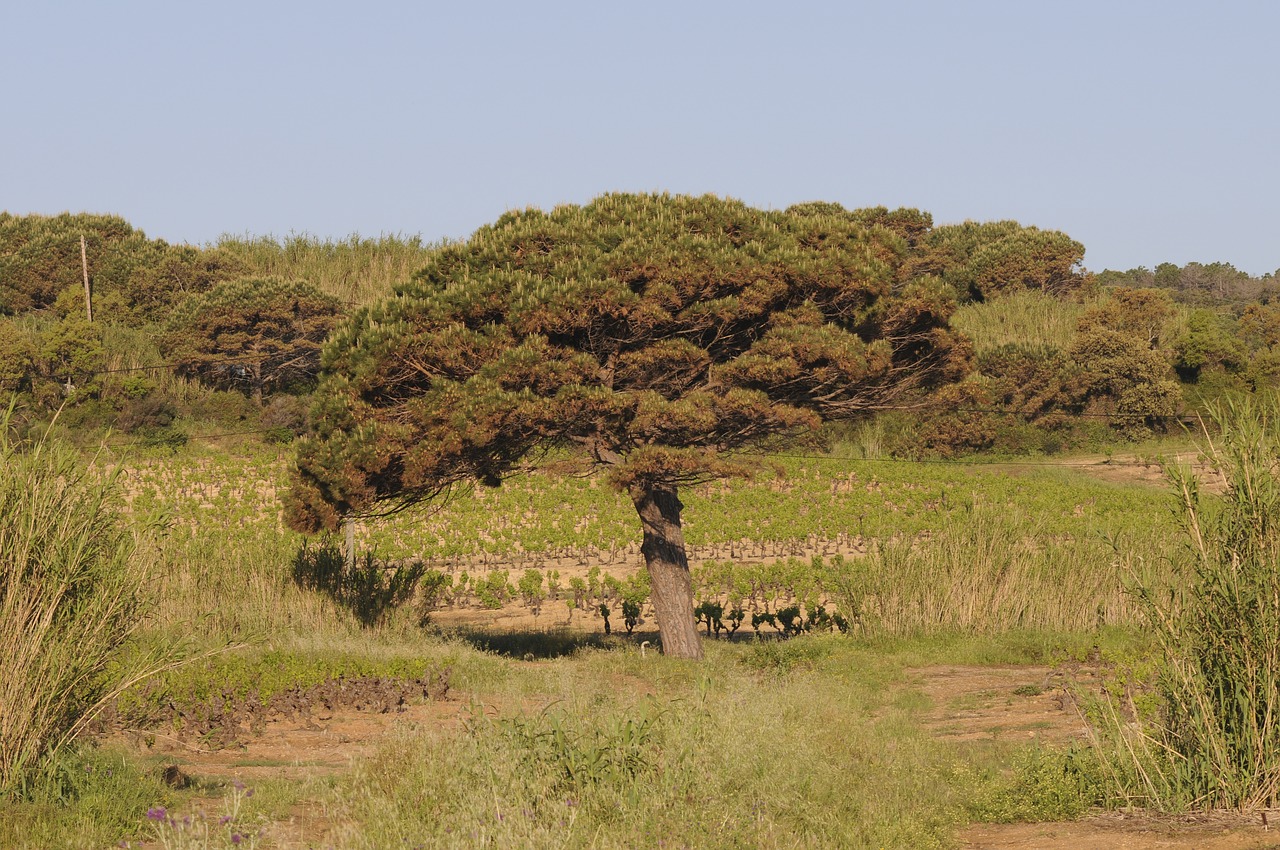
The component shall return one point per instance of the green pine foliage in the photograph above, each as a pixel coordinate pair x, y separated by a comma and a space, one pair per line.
656, 332
255, 334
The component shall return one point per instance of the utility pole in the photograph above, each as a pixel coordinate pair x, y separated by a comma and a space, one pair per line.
349, 525
84, 265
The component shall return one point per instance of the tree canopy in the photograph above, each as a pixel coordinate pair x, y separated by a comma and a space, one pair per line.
658, 335
988, 259
254, 334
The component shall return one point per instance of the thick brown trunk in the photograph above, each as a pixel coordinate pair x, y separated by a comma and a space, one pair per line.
664, 555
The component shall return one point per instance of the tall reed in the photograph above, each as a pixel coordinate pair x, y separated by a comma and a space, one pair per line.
71, 592
1212, 737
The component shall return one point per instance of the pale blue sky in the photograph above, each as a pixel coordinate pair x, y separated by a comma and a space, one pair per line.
1150, 131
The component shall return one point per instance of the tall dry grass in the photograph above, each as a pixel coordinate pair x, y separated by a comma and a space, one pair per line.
987, 570
358, 270
1030, 317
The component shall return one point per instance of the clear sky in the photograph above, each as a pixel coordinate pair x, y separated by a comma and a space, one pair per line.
1149, 131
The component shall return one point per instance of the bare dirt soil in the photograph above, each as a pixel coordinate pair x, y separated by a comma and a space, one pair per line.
1131, 469
966, 703
1125, 831
999, 703
1012, 703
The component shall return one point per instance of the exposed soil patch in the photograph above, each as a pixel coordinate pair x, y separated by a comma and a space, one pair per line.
296, 748
228, 720
1000, 703
1130, 469
1125, 831
299, 735
1029, 703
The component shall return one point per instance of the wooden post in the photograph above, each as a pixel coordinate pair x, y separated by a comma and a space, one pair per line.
84, 265
349, 525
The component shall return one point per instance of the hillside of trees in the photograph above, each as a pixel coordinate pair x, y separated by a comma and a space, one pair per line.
185, 341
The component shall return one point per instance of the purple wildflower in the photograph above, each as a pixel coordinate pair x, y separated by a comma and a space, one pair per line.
236, 838
157, 813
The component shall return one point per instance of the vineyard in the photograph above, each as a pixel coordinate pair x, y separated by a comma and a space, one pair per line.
814, 543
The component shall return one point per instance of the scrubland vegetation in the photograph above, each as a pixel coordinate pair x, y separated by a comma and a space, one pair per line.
975, 531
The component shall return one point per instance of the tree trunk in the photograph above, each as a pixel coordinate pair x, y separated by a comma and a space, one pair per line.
664, 556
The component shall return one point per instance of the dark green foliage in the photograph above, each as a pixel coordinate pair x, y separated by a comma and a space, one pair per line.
71, 355
710, 614
370, 590
1208, 345
1038, 382
257, 334
17, 358
630, 614
1260, 331
1030, 396
1125, 372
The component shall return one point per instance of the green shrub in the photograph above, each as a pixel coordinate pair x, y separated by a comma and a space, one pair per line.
70, 598
1044, 785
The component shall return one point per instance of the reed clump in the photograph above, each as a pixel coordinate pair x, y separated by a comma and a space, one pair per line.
1202, 730
71, 594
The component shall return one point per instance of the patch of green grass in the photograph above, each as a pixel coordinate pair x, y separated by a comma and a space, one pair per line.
91, 798
1042, 785
264, 673
813, 741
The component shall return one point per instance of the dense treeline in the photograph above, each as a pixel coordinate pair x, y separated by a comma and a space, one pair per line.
188, 338
1199, 283
222, 335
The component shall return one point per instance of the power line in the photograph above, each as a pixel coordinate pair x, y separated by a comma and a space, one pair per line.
246, 358
949, 462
